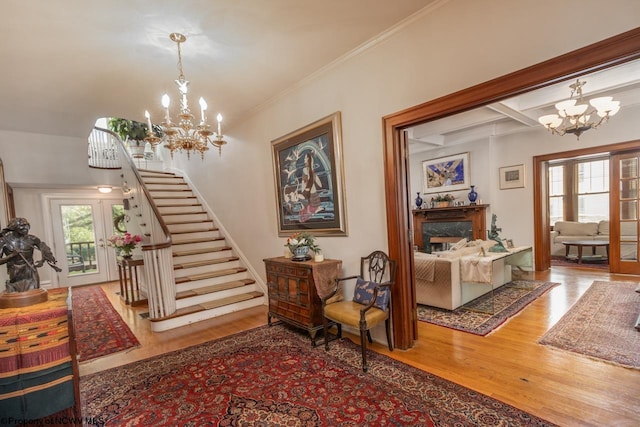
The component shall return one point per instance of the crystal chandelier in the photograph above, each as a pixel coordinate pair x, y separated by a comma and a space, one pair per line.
574, 115
185, 135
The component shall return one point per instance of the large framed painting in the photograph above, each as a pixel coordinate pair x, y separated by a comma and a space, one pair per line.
446, 174
308, 173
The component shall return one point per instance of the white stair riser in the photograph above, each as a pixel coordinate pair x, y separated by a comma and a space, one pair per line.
180, 209
202, 216
148, 180
199, 299
183, 237
171, 194
168, 187
180, 201
176, 322
202, 257
209, 268
197, 284
194, 246
195, 227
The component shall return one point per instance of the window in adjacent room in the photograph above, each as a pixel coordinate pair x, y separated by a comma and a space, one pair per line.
593, 190
556, 193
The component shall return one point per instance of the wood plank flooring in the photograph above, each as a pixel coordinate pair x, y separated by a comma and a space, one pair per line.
508, 364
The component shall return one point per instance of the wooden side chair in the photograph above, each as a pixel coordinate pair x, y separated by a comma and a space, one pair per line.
371, 302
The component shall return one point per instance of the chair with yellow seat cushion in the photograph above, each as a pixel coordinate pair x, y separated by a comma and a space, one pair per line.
371, 304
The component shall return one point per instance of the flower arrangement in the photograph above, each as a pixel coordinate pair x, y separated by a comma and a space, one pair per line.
124, 244
441, 198
301, 239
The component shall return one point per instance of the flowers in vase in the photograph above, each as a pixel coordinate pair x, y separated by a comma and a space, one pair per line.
301, 239
124, 244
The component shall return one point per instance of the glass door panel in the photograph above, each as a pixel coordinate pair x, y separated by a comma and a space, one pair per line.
79, 241
625, 214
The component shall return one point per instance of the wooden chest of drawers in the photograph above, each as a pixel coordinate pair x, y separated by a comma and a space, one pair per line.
293, 291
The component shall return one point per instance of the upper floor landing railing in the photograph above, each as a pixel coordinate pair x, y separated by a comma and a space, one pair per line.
103, 150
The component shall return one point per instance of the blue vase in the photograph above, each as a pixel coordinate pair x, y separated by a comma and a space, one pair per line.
418, 201
301, 253
473, 196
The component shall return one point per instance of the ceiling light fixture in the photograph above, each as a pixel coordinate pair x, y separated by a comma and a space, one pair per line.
184, 135
574, 115
105, 189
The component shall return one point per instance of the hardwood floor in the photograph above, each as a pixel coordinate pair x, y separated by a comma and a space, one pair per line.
508, 364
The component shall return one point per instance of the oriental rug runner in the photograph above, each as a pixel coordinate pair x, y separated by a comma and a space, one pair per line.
99, 329
272, 376
486, 313
601, 325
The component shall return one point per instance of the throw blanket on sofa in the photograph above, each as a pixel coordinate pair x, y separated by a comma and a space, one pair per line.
476, 269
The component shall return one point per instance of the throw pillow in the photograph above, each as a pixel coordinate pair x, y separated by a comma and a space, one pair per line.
364, 294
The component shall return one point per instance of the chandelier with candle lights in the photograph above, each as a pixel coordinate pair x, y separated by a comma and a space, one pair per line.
185, 135
575, 116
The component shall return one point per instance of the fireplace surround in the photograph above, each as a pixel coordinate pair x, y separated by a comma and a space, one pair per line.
454, 221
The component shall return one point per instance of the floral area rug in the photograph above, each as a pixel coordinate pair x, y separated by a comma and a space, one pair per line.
272, 376
486, 313
99, 329
601, 325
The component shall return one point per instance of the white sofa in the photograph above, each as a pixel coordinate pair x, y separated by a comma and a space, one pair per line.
571, 231
441, 282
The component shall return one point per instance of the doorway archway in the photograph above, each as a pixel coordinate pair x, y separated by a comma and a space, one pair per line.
607, 53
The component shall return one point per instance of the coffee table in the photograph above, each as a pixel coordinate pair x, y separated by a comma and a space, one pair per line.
582, 243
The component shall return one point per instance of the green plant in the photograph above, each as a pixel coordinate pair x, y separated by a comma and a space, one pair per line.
300, 239
441, 198
131, 130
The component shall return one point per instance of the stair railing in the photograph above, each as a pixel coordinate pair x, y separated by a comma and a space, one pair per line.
156, 249
103, 150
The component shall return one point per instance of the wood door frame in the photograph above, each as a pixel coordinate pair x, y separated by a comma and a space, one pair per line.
613, 51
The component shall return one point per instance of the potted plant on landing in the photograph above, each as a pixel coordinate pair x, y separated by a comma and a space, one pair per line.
132, 134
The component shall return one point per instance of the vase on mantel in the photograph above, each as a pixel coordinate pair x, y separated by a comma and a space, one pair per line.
419, 201
473, 196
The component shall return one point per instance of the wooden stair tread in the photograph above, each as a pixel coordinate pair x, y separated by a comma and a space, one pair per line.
201, 240
148, 171
202, 251
203, 263
176, 205
210, 275
194, 231
200, 221
214, 288
180, 196
169, 190
183, 213
213, 304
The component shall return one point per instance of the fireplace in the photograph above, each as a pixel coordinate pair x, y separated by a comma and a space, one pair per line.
437, 236
434, 228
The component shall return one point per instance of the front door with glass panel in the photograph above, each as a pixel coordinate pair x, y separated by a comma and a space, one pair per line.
81, 228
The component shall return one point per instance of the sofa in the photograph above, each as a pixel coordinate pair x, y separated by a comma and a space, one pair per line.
571, 231
452, 278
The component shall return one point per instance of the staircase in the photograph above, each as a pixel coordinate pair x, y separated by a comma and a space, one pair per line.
209, 278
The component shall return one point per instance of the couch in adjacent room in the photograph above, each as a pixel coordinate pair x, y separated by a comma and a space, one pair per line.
572, 231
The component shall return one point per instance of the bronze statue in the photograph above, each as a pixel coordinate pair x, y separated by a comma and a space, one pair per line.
16, 250
493, 235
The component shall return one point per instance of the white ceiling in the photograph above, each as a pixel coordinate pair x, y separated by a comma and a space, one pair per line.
520, 114
66, 63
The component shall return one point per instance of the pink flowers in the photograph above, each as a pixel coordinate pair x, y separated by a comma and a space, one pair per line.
124, 244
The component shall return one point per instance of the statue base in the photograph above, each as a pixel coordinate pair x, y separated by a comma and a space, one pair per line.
23, 299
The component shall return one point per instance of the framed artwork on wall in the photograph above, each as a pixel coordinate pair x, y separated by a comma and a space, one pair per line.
511, 177
308, 171
446, 174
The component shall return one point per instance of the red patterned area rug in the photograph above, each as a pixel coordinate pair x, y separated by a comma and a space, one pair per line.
560, 261
99, 329
601, 325
272, 376
476, 316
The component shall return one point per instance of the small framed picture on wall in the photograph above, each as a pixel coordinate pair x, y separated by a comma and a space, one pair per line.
512, 177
